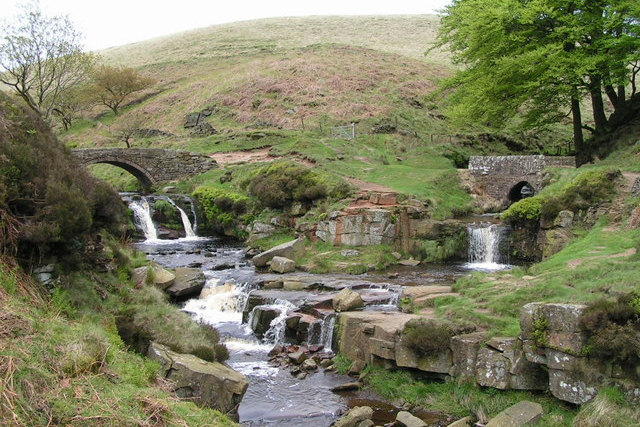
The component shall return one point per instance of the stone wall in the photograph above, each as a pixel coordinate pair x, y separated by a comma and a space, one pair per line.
499, 174
548, 355
150, 165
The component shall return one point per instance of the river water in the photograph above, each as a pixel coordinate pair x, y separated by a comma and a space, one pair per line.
275, 397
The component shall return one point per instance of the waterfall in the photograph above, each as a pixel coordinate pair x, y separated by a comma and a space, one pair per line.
219, 303
142, 218
326, 333
485, 241
188, 230
275, 333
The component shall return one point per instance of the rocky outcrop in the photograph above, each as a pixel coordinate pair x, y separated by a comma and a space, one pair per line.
358, 227
406, 419
209, 384
548, 355
293, 250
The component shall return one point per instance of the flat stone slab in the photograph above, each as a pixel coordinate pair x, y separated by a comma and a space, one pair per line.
188, 281
521, 414
421, 291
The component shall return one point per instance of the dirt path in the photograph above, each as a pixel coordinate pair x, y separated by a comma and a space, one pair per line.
249, 156
575, 263
370, 186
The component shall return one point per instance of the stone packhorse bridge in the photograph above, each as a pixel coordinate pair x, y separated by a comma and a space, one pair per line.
505, 177
151, 166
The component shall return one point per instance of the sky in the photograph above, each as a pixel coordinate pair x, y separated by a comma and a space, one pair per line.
117, 22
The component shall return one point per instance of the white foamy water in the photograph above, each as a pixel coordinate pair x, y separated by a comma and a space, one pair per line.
218, 303
142, 219
484, 247
186, 224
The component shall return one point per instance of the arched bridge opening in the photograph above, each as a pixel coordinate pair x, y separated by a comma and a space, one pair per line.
520, 191
145, 179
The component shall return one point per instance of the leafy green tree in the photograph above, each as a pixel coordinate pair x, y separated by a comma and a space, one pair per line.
41, 58
539, 59
111, 86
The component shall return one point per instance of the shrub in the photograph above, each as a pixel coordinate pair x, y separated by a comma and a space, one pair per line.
280, 184
613, 329
428, 336
523, 210
224, 211
57, 205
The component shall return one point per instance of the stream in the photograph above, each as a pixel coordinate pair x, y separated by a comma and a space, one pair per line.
233, 294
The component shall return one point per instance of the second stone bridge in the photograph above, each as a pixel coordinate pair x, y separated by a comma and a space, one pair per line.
508, 178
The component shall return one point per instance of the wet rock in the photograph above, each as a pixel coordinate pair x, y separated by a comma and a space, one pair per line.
167, 234
297, 357
292, 250
188, 281
195, 265
274, 284
325, 363
366, 423
262, 318
356, 385
409, 262
309, 365
354, 417
159, 276
406, 419
282, 265
209, 384
519, 415
347, 300
224, 266
293, 285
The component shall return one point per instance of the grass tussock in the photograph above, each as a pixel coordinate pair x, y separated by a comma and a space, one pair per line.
608, 409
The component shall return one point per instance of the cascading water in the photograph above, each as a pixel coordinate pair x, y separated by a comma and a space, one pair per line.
142, 218
486, 241
186, 224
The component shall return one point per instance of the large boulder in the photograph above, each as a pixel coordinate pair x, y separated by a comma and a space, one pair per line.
188, 281
347, 300
282, 265
153, 275
292, 250
209, 384
354, 417
519, 415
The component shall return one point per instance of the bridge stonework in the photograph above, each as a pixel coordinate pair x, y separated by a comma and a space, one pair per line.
499, 175
152, 166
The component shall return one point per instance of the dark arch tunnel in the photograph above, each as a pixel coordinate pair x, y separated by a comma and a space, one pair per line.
520, 191
146, 181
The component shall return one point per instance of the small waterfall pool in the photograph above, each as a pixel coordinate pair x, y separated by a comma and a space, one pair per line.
488, 248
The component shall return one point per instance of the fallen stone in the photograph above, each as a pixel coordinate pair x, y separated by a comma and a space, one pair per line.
325, 363
282, 265
188, 281
366, 423
354, 416
297, 357
209, 384
409, 262
564, 219
309, 365
349, 253
462, 422
357, 367
521, 414
347, 386
406, 419
292, 250
347, 300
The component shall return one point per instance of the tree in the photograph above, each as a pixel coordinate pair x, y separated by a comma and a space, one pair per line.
112, 85
41, 58
540, 58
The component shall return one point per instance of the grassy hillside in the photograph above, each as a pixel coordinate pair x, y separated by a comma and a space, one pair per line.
407, 35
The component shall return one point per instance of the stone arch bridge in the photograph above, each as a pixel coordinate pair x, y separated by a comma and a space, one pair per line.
505, 177
151, 166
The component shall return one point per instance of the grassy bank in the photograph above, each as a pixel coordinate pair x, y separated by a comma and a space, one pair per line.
63, 362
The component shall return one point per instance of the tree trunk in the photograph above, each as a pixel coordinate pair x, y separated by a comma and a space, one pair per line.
578, 138
599, 115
